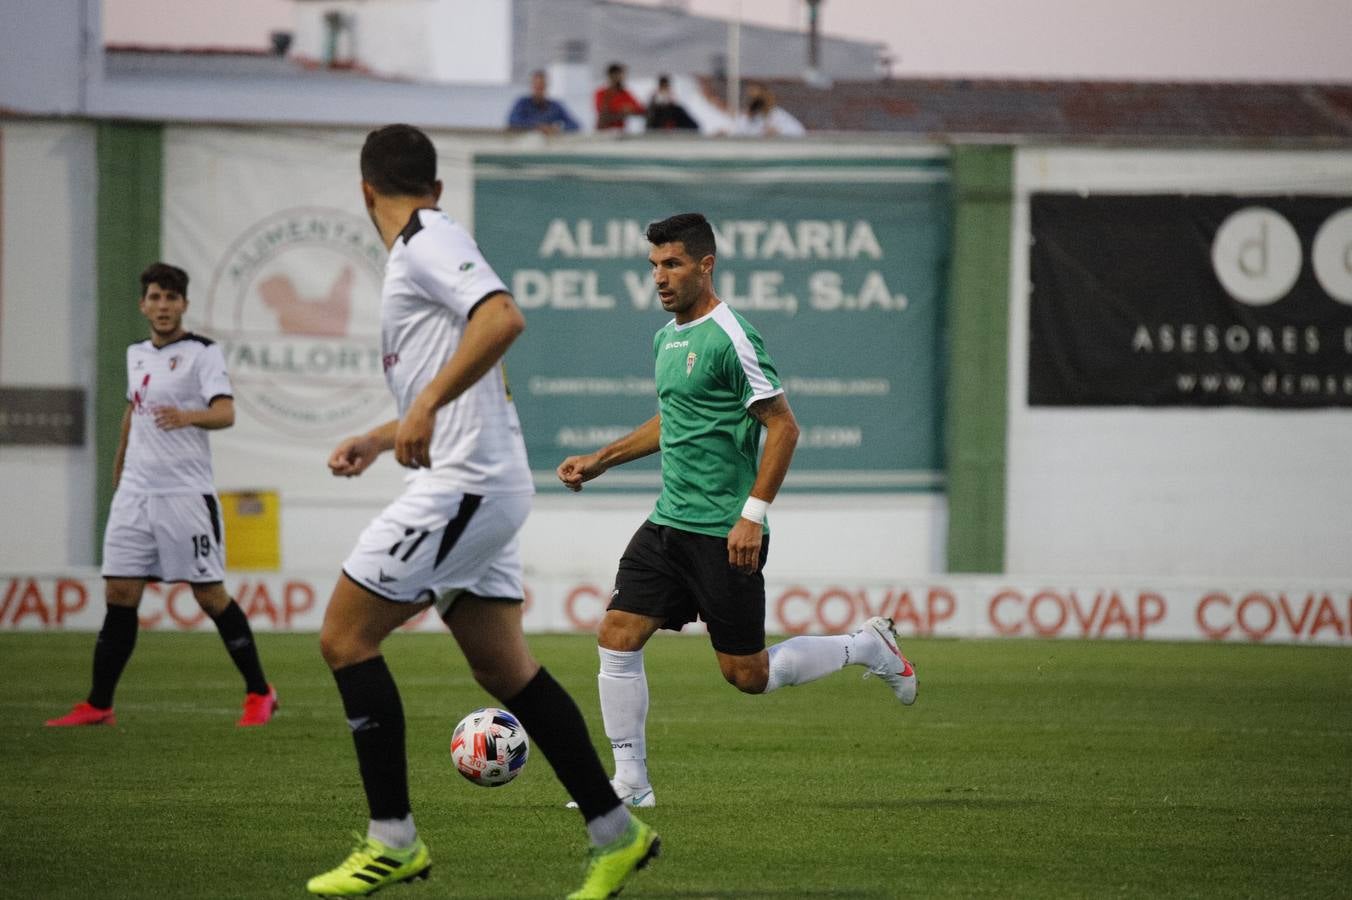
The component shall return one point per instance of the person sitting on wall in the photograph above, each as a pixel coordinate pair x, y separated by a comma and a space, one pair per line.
536, 112
764, 117
614, 102
665, 113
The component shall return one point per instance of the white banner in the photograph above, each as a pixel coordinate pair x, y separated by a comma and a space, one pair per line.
285, 270
954, 606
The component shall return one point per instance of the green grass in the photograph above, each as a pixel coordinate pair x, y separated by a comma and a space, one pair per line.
1027, 769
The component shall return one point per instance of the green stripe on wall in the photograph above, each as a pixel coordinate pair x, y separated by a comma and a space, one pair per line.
130, 159
979, 340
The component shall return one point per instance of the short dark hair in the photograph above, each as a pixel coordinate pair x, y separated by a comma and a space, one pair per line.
691, 229
399, 161
170, 278
614, 69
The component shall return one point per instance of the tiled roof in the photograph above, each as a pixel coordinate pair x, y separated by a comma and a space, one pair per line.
1238, 112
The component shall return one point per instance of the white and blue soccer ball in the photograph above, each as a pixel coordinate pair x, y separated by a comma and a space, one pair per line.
489, 747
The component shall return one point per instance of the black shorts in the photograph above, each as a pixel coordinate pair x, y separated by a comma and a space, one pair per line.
679, 576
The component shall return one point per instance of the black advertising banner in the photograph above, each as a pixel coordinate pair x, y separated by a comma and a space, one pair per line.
1171, 300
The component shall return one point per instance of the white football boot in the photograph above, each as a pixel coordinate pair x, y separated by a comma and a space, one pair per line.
636, 797
889, 665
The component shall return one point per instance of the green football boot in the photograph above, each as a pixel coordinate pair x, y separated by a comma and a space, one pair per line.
609, 867
370, 867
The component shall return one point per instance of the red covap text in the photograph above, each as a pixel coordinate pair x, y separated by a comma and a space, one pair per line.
957, 606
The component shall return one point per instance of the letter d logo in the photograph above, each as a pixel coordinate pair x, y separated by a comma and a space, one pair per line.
1256, 255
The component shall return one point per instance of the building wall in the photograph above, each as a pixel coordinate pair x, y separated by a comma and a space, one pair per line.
1161, 492
1172, 490
43, 55
47, 301
570, 536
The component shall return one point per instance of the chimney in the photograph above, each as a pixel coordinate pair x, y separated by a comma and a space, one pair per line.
814, 75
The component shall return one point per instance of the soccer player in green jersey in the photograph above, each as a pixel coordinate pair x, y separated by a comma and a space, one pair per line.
702, 552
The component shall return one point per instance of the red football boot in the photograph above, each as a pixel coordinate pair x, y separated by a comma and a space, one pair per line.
84, 714
258, 708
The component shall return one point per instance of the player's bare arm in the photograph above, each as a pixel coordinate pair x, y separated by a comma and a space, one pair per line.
495, 324
121, 456
355, 454
220, 414
781, 438
642, 441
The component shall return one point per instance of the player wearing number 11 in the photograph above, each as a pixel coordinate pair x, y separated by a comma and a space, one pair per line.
449, 541
165, 520
701, 552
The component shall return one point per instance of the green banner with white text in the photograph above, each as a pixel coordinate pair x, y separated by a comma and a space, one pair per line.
840, 264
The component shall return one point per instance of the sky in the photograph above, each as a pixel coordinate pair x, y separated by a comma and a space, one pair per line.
1247, 40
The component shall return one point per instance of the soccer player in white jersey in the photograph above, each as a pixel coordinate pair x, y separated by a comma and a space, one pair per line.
165, 519
450, 539
702, 551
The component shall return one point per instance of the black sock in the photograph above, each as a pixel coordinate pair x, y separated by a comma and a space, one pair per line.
556, 726
376, 717
117, 638
239, 643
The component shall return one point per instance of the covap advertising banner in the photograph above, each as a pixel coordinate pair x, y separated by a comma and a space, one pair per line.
1200, 300
978, 606
840, 264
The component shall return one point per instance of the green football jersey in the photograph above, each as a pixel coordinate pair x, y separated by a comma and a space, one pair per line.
708, 372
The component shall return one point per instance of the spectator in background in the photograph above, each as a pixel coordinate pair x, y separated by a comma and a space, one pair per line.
664, 113
536, 112
614, 102
764, 118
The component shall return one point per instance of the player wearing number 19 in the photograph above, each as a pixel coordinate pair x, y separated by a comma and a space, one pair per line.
165, 519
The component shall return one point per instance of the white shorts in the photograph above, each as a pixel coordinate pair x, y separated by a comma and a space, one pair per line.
164, 537
432, 543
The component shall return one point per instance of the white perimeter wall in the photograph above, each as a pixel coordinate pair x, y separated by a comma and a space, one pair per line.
1224, 492
47, 337
47, 195
581, 537
1244, 493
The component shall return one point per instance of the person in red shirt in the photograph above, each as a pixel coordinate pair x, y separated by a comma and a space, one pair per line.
614, 102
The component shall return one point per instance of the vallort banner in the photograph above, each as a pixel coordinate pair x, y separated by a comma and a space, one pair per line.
954, 606
840, 264
1166, 300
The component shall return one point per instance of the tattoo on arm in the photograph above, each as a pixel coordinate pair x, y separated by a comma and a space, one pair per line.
767, 409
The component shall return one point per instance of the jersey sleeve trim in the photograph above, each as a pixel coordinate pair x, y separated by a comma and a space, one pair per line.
761, 385
482, 300
215, 397
754, 398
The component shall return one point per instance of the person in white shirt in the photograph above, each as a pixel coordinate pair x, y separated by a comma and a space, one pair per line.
450, 539
766, 118
165, 520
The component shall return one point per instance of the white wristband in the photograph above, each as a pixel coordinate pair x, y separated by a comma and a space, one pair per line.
755, 509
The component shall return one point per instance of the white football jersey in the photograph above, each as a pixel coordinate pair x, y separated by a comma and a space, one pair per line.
186, 374
434, 279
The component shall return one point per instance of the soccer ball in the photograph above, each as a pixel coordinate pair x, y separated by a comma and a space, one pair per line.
489, 747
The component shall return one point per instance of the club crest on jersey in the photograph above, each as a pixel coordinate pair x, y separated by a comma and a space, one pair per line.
174, 361
690, 363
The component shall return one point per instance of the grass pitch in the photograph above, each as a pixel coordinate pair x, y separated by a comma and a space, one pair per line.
1026, 769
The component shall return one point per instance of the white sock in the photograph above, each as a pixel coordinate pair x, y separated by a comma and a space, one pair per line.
624, 710
802, 659
398, 834
608, 827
